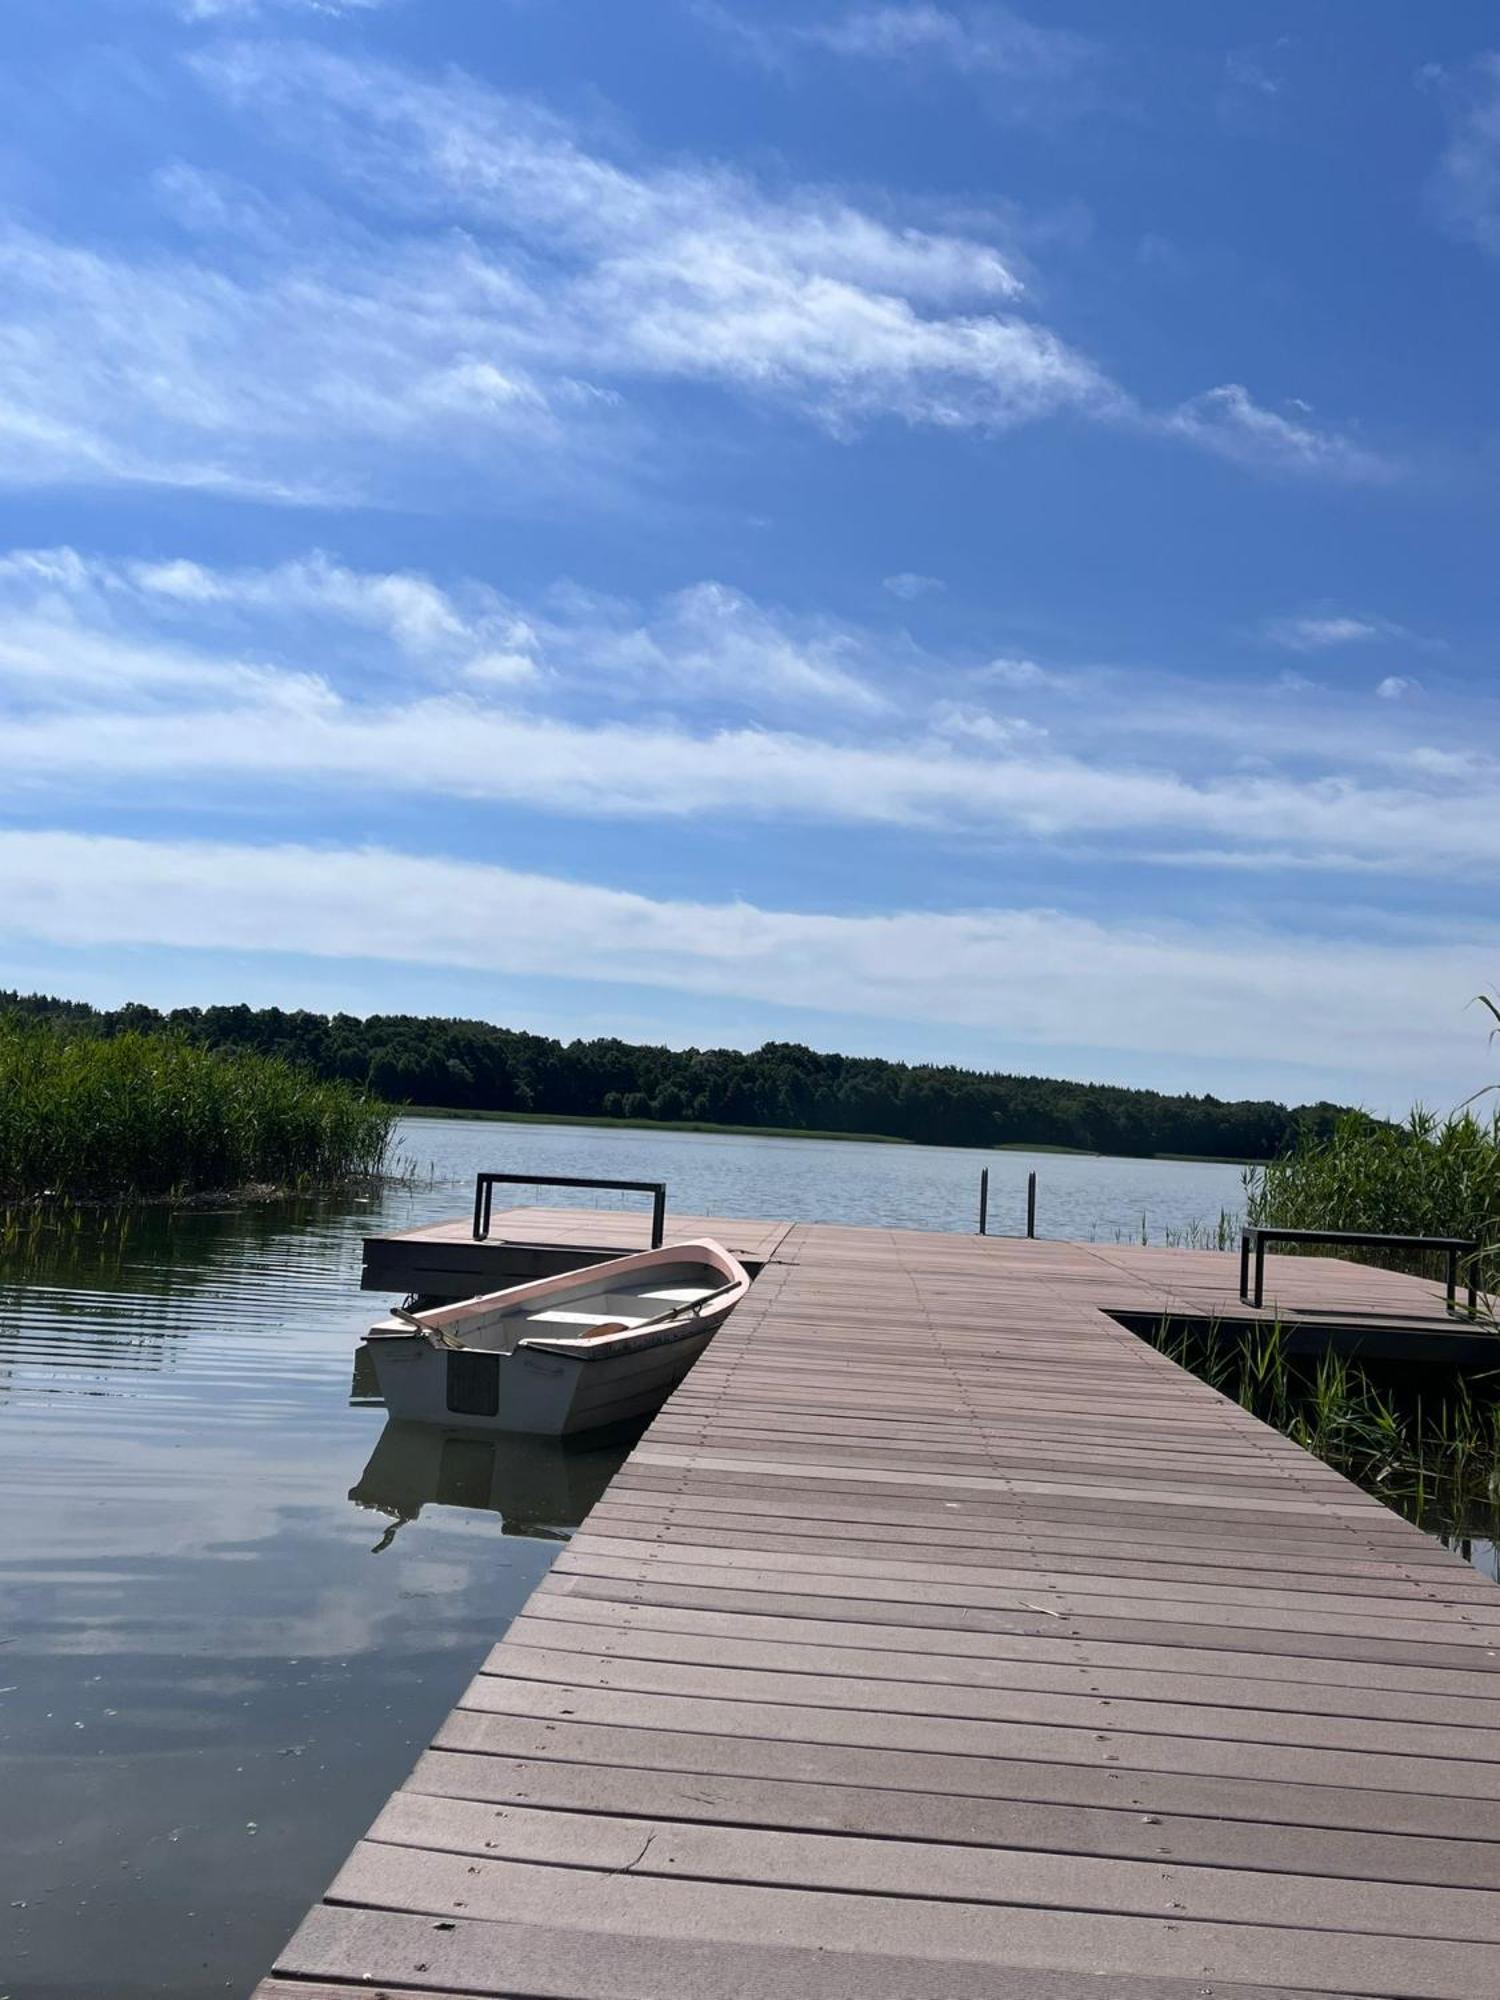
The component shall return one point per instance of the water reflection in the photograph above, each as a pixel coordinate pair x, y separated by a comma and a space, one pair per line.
207, 1686
537, 1486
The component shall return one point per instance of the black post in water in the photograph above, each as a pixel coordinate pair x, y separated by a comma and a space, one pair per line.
984, 1200
1031, 1203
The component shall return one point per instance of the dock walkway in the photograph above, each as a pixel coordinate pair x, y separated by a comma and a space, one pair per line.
939, 1640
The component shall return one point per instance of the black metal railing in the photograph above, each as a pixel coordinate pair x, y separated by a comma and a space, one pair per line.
485, 1185
1255, 1236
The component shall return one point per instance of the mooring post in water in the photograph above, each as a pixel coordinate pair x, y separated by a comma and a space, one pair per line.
984, 1200
1031, 1203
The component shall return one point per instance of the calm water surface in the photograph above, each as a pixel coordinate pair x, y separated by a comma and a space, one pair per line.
235, 1603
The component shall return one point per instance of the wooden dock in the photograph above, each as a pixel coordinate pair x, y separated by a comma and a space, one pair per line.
941, 1640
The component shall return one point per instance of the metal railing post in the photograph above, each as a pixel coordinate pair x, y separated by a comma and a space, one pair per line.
484, 1195
1031, 1203
984, 1201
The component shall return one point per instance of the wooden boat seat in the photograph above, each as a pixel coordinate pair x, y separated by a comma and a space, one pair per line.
560, 1316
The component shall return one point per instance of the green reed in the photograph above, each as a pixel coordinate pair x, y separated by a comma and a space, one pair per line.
1428, 1177
85, 1118
1221, 1234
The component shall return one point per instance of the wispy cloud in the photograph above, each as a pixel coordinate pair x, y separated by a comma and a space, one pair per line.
702, 705
1229, 421
465, 290
273, 381
910, 584
1465, 186
691, 271
248, 10
1317, 634
1030, 72
1031, 976
983, 38
136, 622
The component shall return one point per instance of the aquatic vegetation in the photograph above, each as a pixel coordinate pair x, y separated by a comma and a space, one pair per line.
86, 1117
1428, 1177
1432, 1454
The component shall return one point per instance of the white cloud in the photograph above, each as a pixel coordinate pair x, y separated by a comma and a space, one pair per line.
1396, 687
979, 40
962, 722
120, 621
1030, 975
1317, 634
1029, 72
1228, 421
425, 622
1465, 187
910, 584
692, 271
706, 704
248, 10
274, 381
1015, 672
133, 624
477, 296
458, 747
712, 640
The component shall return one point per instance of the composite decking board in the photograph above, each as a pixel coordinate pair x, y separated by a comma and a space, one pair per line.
1072, 1707
621, 1902
921, 1544
933, 1871
1442, 1782
931, 1774
639, 1485
359, 1950
835, 1560
943, 1639
1062, 1514
632, 1637
997, 1824
1278, 1647
1038, 1643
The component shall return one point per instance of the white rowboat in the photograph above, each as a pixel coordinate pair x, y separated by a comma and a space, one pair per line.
563, 1354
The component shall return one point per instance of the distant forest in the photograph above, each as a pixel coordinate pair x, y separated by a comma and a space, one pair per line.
474, 1066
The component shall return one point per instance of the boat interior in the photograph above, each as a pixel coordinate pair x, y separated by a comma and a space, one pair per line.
619, 1307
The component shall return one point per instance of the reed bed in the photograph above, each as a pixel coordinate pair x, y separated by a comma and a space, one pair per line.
125, 1116
1223, 1233
1428, 1177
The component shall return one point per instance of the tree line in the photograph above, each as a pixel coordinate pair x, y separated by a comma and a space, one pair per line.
463, 1065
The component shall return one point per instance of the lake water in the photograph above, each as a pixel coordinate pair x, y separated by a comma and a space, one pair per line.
1081, 1196
234, 1604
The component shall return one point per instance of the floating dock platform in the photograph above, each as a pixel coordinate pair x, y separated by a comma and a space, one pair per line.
942, 1640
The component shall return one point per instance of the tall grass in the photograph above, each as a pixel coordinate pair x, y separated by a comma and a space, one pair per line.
150, 1115
1428, 1177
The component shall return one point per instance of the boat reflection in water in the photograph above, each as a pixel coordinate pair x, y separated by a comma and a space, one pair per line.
538, 1486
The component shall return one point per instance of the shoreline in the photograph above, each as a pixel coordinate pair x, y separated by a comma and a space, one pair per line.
448, 1114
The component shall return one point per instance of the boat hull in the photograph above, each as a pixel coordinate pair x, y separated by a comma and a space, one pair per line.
574, 1352
530, 1389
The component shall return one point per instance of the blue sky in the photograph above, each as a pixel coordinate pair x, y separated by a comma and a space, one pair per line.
924, 529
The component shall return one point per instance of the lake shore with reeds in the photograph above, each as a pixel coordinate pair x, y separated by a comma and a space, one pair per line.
151, 1117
